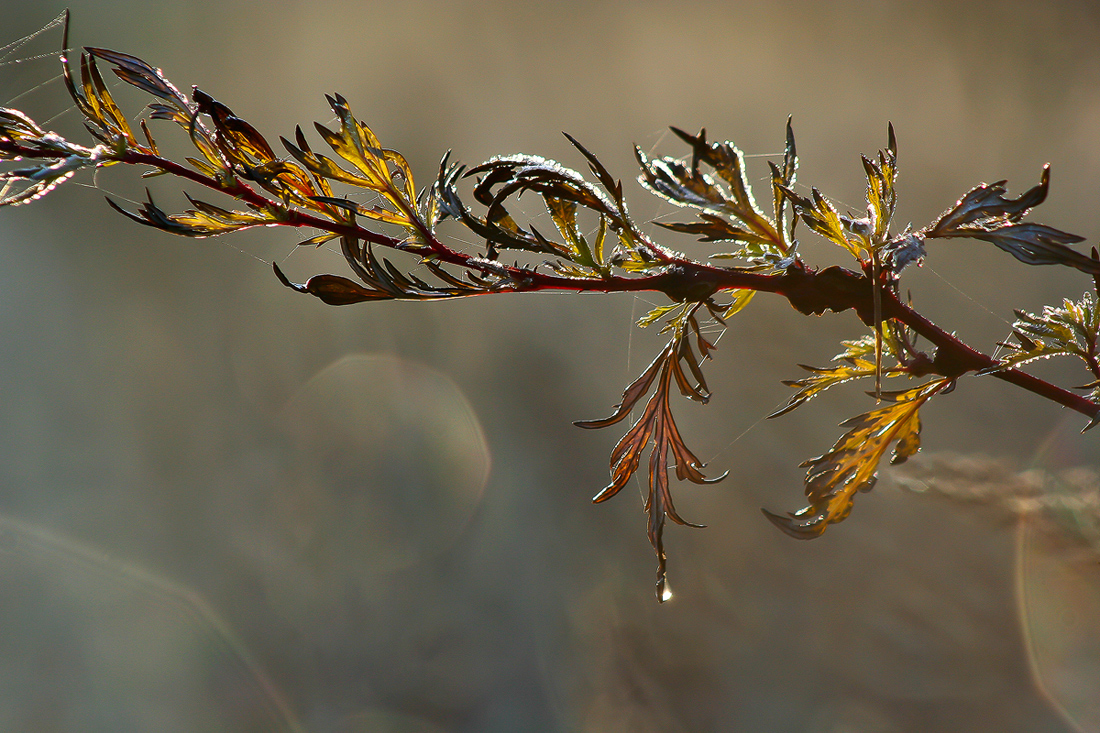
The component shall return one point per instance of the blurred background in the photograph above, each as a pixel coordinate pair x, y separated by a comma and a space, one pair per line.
228, 507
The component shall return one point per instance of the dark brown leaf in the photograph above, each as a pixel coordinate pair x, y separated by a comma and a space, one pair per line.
985, 213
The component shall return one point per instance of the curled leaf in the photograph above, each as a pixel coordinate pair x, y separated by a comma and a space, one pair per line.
381, 280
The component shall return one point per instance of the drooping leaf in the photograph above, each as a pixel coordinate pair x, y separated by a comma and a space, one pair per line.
741, 298
333, 289
657, 426
1038, 244
205, 220
657, 313
380, 279
833, 479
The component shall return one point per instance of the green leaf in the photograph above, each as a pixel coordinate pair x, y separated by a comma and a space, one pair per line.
657, 313
564, 215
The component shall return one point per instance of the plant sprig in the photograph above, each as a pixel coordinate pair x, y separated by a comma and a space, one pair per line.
307, 189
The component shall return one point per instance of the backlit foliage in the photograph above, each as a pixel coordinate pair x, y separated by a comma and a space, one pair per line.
596, 245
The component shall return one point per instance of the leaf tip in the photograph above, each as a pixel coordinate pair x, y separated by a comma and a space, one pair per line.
786, 524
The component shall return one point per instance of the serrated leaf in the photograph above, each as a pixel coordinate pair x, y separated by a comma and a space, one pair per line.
857, 361
1071, 330
822, 217
850, 466
382, 171
688, 186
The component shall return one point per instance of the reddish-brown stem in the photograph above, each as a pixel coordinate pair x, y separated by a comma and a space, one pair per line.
809, 291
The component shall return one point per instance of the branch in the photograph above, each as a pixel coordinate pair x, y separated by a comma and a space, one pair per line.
302, 191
